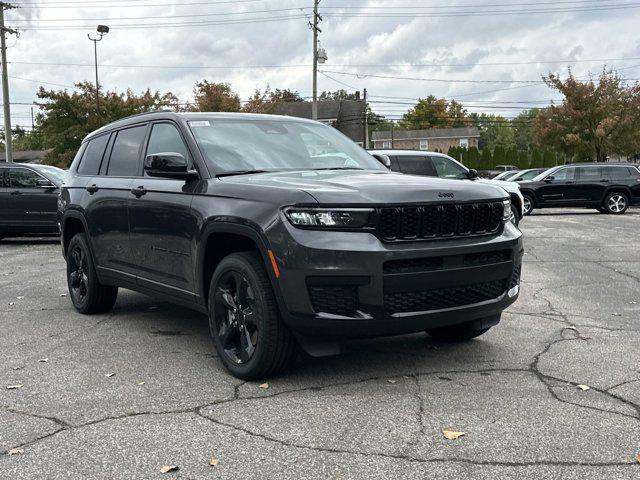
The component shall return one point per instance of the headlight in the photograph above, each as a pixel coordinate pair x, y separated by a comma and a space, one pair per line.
506, 210
328, 217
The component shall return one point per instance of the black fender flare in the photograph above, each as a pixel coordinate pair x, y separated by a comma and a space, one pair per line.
616, 188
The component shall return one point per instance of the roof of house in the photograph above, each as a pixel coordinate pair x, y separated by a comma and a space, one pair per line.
26, 156
327, 109
465, 132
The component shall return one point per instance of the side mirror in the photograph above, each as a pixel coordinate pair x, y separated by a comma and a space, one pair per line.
168, 165
549, 179
384, 159
472, 174
46, 184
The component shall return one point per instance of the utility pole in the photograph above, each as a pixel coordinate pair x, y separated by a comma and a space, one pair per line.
5, 81
316, 18
32, 123
392, 125
366, 120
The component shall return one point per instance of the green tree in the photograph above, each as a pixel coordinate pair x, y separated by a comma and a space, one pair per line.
499, 156
341, 94
537, 160
494, 130
486, 160
548, 159
523, 160
473, 157
432, 112
453, 151
512, 155
523, 130
595, 119
65, 118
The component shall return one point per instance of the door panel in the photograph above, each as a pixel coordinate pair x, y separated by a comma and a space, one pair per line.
4, 201
30, 207
561, 190
591, 184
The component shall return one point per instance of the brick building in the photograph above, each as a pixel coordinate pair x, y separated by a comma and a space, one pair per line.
432, 139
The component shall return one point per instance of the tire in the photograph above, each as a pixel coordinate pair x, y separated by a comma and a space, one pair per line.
457, 333
616, 203
87, 294
528, 204
244, 320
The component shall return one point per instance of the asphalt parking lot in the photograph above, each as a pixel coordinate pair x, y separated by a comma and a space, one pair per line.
119, 396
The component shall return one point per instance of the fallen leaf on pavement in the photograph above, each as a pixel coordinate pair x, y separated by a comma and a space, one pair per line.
264, 385
392, 381
109, 375
451, 435
584, 387
14, 387
141, 383
43, 360
16, 451
616, 314
633, 303
19, 298
213, 462
169, 468
11, 303
63, 294
18, 367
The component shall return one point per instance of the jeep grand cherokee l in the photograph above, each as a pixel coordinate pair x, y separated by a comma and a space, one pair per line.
609, 187
283, 231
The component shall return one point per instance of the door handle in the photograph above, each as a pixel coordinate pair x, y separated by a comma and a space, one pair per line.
139, 191
16, 192
92, 189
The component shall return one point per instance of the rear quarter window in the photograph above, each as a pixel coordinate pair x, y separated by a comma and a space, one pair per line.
124, 160
619, 172
92, 156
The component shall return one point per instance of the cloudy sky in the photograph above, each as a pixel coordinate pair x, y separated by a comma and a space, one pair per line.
487, 54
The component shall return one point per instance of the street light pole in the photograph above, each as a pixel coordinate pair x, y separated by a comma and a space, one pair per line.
102, 31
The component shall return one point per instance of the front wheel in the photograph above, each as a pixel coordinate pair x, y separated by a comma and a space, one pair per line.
87, 294
244, 321
527, 205
616, 203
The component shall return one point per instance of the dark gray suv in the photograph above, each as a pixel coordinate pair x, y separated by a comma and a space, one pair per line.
284, 232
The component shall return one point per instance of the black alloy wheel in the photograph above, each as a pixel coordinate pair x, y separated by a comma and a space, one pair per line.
77, 270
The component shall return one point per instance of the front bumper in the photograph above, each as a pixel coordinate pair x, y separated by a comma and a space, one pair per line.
350, 284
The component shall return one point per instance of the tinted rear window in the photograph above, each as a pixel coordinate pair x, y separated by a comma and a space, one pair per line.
416, 165
126, 152
615, 172
90, 162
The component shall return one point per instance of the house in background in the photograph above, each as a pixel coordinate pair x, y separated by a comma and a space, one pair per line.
431, 139
26, 156
348, 116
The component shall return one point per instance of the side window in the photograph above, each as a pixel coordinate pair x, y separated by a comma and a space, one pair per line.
92, 157
568, 173
616, 173
23, 178
448, 169
416, 165
125, 154
395, 164
165, 138
590, 173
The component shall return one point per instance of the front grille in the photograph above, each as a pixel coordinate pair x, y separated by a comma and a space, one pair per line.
439, 221
425, 300
486, 258
429, 264
334, 299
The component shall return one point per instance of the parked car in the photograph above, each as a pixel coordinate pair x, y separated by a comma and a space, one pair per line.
497, 170
29, 199
283, 231
523, 175
506, 175
607, 187
433, 164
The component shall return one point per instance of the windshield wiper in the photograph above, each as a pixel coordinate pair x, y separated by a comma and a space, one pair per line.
241, 172
338, 168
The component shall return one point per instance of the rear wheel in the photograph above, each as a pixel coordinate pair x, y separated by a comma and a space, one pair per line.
244, 321
458, 333
87, 294
527, 204
616, 203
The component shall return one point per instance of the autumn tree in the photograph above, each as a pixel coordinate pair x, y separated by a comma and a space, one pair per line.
596, 119
432, 112
213, 97
65, 118
285, 95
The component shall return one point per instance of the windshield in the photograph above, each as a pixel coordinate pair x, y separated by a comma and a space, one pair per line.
506, 175
541, 176
54, 173
449, 168
527, 175
274, 145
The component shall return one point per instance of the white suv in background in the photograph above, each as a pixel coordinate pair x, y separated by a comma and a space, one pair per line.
432, 164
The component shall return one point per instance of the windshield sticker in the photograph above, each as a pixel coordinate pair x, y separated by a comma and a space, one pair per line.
199, 123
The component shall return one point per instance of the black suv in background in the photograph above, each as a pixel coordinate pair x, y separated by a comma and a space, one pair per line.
607, 187
29, 199
283, 231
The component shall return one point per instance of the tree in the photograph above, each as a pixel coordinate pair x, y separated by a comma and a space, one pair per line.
595, 119
523, 131
473, 157
499, 156
494, 130
214, 97
537, 159
512, 155
66, 118
432, 112
486, 160
523, 160
285, 95
341, 94
548, 159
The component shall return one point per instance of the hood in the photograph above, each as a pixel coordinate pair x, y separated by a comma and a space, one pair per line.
508, 186
348, 187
